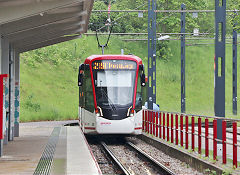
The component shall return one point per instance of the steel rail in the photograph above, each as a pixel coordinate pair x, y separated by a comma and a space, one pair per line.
161, 166
116, 160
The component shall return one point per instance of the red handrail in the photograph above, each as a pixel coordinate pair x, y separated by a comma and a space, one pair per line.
165, 127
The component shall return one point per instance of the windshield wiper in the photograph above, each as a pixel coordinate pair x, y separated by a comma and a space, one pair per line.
109, 100
106, 96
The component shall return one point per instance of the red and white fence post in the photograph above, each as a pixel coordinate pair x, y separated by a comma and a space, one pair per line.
154, 123
193, 132
160, 125
163, 126
157, 127
143, 120
146, 120
234, 125
176, 126
151, 122
186, 132
206, 138
167, 126
224, 150
172, 128
199, 135
214, 139
181, 130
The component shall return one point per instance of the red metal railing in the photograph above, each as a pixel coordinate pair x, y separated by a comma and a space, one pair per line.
165, 125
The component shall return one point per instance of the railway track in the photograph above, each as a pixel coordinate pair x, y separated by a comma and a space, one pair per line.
134, 160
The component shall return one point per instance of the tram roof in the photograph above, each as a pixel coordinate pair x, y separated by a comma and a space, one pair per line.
111, 57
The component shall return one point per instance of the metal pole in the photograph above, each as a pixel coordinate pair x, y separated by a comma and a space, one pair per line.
109, 4
151, 53
219, 90
17, 93
234, 71
11, 95
102, 49
122, 51
5, 70
183, 21
2, 104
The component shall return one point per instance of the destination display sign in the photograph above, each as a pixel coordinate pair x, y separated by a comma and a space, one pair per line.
113, 64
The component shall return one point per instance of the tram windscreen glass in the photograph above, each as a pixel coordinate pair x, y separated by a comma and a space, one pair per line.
114, 85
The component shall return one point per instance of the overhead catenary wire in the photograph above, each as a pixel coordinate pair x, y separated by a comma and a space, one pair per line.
162, 11
175, 39
106, 44
196, 44
146, 33
157, 11
193, 44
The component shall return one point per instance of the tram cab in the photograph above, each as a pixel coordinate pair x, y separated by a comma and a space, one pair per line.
111, 94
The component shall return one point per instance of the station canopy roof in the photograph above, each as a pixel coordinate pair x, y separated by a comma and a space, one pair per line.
32, 24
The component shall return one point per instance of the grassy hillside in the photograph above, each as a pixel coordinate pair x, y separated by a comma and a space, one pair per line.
49, 77
199, 80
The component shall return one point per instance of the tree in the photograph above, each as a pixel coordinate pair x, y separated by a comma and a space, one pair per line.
106, 2
235, 17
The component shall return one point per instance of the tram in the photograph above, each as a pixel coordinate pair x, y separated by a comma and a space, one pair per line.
111, 94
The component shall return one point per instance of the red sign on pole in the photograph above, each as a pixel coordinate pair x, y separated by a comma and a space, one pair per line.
1, 104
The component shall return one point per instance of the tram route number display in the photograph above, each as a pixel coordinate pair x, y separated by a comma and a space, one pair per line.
100, 65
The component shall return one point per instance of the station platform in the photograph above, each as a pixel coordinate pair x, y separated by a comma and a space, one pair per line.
48, 148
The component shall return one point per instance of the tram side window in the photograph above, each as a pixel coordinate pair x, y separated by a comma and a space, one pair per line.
81, 98
89, 101
139, 94
80, 85
81, 95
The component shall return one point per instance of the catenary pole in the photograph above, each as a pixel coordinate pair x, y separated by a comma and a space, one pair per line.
151, 53
234, 71
219, 65
183, 21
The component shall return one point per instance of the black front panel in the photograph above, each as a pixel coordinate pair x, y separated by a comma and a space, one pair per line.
117, 113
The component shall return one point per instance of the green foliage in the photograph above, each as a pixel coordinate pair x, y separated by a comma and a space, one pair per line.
166, 22
31, 105
54, 55
171, 22
163, 51
234, 17
227, 171
106, 2
128, 23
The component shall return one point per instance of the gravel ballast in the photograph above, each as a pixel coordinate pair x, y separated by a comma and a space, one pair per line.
175, 165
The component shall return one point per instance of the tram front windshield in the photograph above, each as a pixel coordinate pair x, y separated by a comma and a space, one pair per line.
114, 82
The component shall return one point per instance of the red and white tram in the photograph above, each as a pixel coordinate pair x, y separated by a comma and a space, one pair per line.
111, 94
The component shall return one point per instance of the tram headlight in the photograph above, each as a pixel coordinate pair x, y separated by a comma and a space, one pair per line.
130, 112
98, 111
